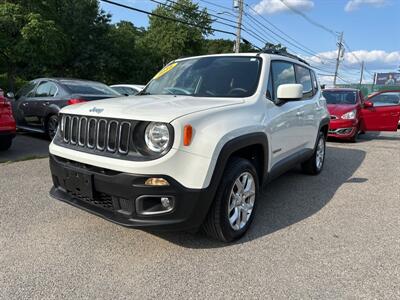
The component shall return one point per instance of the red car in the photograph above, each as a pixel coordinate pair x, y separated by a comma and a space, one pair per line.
351, 114
7, 124
385, 98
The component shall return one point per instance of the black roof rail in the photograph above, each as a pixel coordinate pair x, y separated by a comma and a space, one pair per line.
282, 52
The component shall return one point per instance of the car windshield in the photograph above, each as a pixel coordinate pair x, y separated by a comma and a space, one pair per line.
89, 88
217, 76
340, 97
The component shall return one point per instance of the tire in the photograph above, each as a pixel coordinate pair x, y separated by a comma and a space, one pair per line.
315, 163
51, 126
5, 143
354, 138
220, 222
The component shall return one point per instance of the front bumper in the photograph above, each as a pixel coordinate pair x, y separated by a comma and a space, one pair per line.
124, 199
343, 129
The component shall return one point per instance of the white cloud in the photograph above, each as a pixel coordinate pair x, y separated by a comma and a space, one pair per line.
355, 4
375, 61
276, 6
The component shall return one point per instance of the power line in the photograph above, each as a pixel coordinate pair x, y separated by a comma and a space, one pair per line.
311, 21
166, 17
217, 5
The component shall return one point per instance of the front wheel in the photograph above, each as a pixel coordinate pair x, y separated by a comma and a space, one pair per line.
51, 126
234, 205
5, 143
315, 163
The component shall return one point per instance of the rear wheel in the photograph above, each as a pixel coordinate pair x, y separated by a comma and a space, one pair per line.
5, 143
51, 126
315, 163
234, 205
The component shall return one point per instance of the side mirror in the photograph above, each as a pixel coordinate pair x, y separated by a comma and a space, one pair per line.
10, 95
290, 92
368, 104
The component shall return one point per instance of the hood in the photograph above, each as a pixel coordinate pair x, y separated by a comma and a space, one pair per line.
162, 108
340, 109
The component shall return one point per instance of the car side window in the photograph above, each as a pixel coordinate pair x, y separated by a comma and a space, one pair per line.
386, 99
315, 81
46, 89
282, 73
303, 77
25, 90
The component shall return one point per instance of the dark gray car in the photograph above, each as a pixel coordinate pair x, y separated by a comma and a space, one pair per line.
36, 105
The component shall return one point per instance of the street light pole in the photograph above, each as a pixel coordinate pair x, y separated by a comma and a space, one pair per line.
340, 45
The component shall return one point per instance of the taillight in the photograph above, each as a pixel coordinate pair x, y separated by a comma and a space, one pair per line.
75, 101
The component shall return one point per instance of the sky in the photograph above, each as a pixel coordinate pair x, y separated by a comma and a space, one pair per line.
371, 30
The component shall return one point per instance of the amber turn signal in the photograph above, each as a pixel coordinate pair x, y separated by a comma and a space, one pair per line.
187, 135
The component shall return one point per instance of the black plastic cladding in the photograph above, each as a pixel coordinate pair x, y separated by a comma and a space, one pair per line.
116, 138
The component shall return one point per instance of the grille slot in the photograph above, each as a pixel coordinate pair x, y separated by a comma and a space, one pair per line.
82, 131
91, 138
101, 134
124, 133
105, 135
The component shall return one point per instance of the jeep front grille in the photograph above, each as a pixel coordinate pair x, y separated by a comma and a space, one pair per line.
101, 134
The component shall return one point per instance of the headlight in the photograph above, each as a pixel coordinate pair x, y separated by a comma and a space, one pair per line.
349, 115
157, 136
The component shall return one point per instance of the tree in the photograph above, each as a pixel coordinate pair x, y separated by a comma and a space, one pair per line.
171, 39
27, 41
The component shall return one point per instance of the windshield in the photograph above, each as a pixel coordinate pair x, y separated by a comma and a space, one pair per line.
221, 76
89, 88
340, 97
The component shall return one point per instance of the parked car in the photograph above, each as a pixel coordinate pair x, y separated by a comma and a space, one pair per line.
36, 105
385, 98
196, 145
128, 89
7, 124
351, 114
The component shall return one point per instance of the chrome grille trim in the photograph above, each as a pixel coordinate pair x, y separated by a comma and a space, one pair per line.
82, 138
67, 122
74, 130
103, 136
94, 134
121, 127
91, 135
112, 149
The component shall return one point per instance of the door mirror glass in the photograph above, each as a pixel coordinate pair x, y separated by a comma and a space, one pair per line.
368, 104
290, 92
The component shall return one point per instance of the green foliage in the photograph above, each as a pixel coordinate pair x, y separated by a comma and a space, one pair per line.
75, 38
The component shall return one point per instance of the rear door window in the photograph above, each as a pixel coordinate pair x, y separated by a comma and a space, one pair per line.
46, 89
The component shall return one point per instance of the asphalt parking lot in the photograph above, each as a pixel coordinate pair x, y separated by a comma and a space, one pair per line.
332, 236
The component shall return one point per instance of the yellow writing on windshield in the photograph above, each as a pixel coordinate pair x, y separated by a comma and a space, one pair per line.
165, 70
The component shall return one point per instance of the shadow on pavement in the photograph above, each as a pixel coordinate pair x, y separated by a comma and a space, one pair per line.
289, 199
26, 146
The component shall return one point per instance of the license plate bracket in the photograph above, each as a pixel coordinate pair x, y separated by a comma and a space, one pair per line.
79, 182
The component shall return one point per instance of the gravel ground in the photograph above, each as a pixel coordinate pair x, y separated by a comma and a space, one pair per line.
331, 236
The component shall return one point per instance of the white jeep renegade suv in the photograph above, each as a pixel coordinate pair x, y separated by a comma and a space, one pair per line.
195, 147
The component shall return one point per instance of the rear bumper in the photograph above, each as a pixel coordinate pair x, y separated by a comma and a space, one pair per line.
123, 198
343, 129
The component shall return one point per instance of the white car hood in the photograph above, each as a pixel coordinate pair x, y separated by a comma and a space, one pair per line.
162, 108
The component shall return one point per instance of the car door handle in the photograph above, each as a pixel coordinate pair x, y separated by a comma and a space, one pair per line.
24, 104
45, 103
300, 113
318, 109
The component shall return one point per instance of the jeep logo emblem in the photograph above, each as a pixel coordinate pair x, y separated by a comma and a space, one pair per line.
96, 110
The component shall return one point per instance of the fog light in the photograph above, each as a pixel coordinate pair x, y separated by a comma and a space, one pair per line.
156, 181
166, 203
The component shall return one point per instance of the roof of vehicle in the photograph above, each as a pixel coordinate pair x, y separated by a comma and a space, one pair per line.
140, 86
342, 89
291, 58
62, 79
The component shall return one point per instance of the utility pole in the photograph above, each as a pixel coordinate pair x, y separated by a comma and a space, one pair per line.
239, 5
339, 54
362, 72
